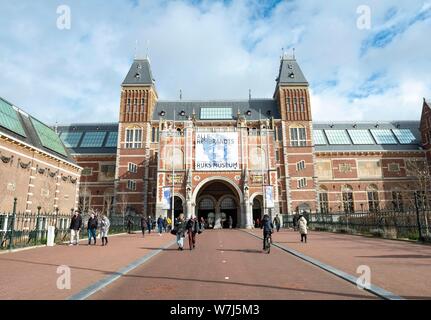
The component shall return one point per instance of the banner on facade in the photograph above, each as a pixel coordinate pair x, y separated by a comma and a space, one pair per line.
216, 151
166, 202
269, 199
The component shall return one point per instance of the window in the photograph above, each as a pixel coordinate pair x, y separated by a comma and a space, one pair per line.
277, 155
404, 136
154, 134
337, 137
394, 167
397, 201
87, 172
108, 170
288, 104
361, 137
383, 136
142, 101
132, 167
93, 139
302, 104
131, 185
295, 105
420, 199
300, 165
134, 138
135, 101
297, 137
373, 199
348, 203
319, 137
216, 113
323, 201
302, 183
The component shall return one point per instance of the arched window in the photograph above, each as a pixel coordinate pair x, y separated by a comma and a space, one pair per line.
298, 137
348, 202
206, 204
373, 198
227, 203
323, 200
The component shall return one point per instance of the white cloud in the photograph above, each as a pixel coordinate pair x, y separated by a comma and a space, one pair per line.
211, 50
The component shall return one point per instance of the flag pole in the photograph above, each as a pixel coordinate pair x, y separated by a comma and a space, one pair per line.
261, 166
173, 174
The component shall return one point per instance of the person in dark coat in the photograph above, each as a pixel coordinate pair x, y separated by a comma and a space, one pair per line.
267, 227
277, 222
180, 228
149, 224
75, 228
143, 225
92, 227
160, 225
192, 227
129, 224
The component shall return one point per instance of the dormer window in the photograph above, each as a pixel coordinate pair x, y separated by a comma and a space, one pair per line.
291, 75
137, 76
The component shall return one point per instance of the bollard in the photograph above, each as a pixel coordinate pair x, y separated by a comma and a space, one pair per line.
51, 236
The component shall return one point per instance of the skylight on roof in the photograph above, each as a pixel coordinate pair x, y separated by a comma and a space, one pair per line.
93, 139
383, 136
337, 137
404, 136
216, 113
71, 139
319, 137
361, 137
9, 119
48, 137
111, 141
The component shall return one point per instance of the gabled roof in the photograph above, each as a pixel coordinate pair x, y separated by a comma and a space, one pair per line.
290, 73
267, 107
24, 128
139, 73
404, 136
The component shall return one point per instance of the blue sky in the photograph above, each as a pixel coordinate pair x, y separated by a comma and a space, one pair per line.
215, 50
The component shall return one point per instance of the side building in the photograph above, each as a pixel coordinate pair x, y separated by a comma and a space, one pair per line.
35, 168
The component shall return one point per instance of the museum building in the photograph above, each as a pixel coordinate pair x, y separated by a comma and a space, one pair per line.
241, 158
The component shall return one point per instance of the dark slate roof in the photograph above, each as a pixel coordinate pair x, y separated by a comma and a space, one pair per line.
290, 73
268, 108
413, 126
90, 127
32, 138
139, 73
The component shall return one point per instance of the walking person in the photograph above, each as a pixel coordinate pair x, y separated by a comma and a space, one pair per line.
180, 228
91, 228
149, 224
129, 224
75, 228
192, 227
160, 225
143, 225
277, 223
104, 229
230, 222
303, 229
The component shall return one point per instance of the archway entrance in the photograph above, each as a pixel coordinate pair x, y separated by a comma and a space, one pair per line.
219, 204
257, 210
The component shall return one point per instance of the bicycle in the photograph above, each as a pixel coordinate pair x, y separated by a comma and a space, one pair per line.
267, 243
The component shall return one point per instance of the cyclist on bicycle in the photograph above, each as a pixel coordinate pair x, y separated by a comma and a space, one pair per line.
267, 227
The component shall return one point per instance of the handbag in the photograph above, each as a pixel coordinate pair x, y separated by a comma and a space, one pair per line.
174, 232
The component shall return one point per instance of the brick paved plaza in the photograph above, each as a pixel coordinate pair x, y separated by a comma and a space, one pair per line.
226, 264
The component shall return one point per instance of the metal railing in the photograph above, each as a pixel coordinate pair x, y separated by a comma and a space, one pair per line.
410, 224
18, 230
